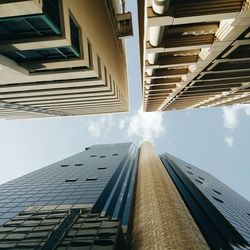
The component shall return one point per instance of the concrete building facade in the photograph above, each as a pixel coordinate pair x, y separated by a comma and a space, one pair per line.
194, 54
61, 58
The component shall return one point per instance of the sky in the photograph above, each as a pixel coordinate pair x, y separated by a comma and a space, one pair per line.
216, 140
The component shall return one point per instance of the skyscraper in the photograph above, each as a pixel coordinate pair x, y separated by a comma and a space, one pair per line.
82, 201
178, 206
194, 53
161, 219
61, 58
222, 215
120, 196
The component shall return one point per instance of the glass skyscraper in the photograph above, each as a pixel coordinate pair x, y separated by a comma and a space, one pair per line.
222, 215
121, 196
88, 195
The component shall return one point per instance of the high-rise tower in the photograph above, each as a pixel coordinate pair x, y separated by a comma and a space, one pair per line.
83, 201
222, 215
161, 219
178, 206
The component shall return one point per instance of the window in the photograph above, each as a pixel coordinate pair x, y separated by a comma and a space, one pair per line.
188, 167
115, 154
217, 199
74, 33
105, 75
78, 164
201, 178
70, 180
37, 26
93, 156
199, 181
103, 242
28, 27
102, 156
41, 54
91, 179
51, 8
217, 192
79, 244
101, 168
190, 172
64, 165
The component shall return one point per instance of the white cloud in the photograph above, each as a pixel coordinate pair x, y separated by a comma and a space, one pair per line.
143, 126
247, 110
94, 129
138, 127
230, 115
123, 122
230, 119
101, 127
229, 141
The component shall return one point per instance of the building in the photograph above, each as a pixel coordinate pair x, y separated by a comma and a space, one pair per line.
222, 215
161, 220
61, 58
83, 201
194, 54
178, 206
120, 196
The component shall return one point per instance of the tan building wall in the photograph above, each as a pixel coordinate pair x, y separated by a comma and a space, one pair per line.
95, 82
19, 8
161, 219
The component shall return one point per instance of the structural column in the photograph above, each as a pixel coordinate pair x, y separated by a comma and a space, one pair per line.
161, 219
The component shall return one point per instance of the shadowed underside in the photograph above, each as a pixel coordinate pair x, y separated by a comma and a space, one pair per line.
194, 54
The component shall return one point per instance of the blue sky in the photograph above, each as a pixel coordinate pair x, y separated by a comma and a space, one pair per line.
216, 140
